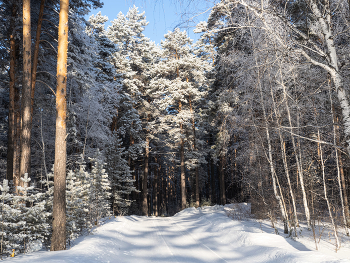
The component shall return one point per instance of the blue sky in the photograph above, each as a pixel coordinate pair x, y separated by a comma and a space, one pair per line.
162, 15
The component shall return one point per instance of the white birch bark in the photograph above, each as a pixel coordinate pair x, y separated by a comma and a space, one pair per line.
298, 161
337, 245
285, 164
338, 169
272, 167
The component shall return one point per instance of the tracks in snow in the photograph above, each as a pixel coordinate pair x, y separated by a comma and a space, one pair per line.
181, 243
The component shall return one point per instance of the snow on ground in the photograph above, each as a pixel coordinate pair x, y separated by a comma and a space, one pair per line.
193, 235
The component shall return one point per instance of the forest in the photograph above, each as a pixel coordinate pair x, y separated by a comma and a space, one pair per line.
99, 121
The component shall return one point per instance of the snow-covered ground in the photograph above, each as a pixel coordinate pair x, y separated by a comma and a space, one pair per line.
193, 235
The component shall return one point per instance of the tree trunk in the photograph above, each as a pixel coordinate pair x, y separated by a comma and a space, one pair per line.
284, 158
144, 181
274, 178
222, 181
337, 245
156, 192
298, 162
11, 118
17, 142
324, 20
194, 148
36, 54
212, 179
182, 178
26, 92
340, 171
58, 241
182, 165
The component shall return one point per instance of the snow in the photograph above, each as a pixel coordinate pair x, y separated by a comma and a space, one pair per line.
207, 234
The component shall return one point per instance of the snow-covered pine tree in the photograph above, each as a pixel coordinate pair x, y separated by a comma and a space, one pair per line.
100, 190
120, 177
135, 56
178, 85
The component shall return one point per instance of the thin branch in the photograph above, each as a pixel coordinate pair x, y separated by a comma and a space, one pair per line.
48, 86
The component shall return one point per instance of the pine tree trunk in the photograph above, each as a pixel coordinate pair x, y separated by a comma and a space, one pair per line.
155, 198
197, 187
36, 55
144, 181
17, 142
212, 179
58, 241
194, 148
222, 181
26, 92
182, 178
182, 165
11, 118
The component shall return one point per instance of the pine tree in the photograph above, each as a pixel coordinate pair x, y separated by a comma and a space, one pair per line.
178, 85
100, 190
120, 177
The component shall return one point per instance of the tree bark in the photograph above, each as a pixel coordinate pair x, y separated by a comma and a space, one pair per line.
17, 142
36, 55
58, 241
156, 192
222, 181
144, 181
298, 162
325, 194
11, 118
194, 148
26, 92
284, 156
182, 166
183, 179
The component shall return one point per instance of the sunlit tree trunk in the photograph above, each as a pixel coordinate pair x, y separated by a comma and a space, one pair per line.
26, 92
298, 162
58, 241
284, 157
274, 178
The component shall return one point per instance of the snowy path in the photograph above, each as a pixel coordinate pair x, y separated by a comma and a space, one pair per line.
194, 235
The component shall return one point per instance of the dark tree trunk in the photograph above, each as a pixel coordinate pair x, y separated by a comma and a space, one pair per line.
36, 54
144, 181
183, 177
212, 178
156, 192
11, 118
222, 181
